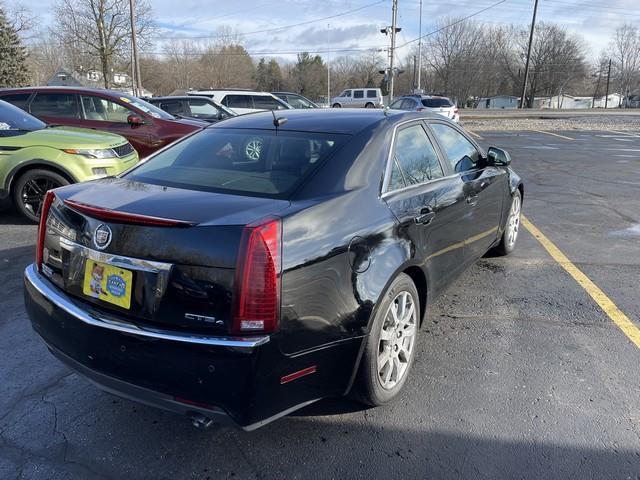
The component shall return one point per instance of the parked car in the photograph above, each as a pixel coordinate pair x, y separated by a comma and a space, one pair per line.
359, 97
35, 158
189, 106
147, 128
218, 285
295, 100
244, 101
420, 103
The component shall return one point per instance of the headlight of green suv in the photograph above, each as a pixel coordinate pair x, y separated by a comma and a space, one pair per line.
92, 153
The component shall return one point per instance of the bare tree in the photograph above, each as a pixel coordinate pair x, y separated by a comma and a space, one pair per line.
101, 29
625, 53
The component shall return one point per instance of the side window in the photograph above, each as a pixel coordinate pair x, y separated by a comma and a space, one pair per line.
358, 94
461, 154
101, 109
416, 156
173, 107
372, 94
266, 103
238, 101
61, 105
408, 104
346, 93
397, 104
20, 100
203, 109
396, 182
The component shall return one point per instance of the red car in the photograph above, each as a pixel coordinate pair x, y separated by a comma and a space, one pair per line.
147, 127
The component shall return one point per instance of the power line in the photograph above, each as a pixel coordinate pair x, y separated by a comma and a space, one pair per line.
274, 29
460, 20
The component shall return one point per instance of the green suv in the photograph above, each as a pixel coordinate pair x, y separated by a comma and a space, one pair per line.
35, 157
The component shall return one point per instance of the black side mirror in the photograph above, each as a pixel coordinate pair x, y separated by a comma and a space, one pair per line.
498, 158
135, 120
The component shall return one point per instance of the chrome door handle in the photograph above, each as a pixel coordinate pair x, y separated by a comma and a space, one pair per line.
426, 216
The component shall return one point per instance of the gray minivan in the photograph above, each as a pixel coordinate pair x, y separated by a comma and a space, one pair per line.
359, 97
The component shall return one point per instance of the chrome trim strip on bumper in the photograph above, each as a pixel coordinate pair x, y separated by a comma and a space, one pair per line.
115, 260
53, 294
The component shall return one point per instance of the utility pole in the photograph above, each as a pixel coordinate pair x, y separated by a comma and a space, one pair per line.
394, 20
526, 67
606, 98
328, 67
420, 48
415, 85
135, 65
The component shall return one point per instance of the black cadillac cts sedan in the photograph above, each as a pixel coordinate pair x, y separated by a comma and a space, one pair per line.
264, 263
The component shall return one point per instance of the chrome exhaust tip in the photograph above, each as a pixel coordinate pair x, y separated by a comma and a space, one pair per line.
201, 422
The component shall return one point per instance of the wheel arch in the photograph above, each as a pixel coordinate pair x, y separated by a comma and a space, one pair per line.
36, 164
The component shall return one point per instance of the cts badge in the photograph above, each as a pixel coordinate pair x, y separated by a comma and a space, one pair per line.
102, 236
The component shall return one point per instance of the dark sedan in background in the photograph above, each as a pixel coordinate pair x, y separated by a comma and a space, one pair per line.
147, 128
222, 285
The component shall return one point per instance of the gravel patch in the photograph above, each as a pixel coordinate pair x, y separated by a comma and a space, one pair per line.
555, 124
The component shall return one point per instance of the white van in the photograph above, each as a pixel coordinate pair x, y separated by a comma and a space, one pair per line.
359, 97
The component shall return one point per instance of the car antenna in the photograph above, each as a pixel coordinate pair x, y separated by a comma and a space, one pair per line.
278, 121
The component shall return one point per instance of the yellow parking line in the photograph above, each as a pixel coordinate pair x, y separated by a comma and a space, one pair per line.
613, 312
554, 134
475, 134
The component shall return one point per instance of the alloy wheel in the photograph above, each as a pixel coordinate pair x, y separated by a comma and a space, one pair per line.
513, 223
397, 340
33, 192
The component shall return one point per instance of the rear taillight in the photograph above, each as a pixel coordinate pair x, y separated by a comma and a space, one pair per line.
49, 197
257, 288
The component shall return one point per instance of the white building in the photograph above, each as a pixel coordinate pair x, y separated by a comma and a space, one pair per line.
499, 102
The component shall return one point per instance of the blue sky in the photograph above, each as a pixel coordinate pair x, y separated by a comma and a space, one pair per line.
594, 20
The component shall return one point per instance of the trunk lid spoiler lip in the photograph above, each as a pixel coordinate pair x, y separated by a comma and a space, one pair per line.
118, 216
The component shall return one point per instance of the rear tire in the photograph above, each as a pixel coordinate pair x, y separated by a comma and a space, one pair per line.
336, 105
369, 105
391, 344
510, 235
29, 189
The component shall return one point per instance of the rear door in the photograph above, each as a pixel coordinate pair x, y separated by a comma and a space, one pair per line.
358, 98
484, 187
429, 203
56, 108
205, 110
174, 107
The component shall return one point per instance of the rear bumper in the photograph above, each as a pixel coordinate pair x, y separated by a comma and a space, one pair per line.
216, 377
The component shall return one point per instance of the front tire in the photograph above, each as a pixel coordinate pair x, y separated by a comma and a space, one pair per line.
391, 344
336, 105
512, 228
29, 190
369, 105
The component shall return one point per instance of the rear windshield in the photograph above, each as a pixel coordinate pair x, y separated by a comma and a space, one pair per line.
251, 162
436, 102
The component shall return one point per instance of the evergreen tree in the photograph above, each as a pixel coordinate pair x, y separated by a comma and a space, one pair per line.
13, 56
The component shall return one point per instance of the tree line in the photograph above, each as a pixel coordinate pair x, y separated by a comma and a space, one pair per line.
465, 60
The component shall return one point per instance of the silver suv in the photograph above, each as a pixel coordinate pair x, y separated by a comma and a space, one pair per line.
359, 97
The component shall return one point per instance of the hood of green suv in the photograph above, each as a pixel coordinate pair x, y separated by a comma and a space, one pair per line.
63, 138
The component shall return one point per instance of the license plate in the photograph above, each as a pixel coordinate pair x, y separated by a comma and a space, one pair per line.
108, 283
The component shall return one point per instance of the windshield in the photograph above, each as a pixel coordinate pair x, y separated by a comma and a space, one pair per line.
437, 102
253, 162
146, 107
14, 119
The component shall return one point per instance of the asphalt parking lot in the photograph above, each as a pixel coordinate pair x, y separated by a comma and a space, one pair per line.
519, 374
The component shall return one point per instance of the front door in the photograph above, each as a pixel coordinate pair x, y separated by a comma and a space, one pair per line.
429, 204
105, 114
483, 186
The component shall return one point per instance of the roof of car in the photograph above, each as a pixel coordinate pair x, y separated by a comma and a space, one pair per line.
326, 120
228, 91
103, 91
178, 97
